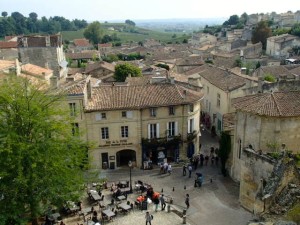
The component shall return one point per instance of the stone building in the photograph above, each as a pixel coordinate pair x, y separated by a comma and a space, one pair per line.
141, 123
43, 51
265, 121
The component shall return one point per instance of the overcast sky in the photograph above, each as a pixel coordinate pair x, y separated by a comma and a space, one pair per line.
101, 10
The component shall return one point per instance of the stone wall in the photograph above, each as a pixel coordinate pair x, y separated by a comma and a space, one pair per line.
255, 169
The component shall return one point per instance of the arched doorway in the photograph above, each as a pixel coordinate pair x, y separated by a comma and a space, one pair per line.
124, 156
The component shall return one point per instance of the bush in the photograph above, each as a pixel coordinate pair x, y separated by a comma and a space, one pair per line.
269, 78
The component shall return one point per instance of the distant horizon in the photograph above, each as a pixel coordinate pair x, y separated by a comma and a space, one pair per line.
136, 10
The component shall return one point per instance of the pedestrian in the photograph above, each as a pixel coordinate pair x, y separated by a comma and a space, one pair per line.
184, 170
169, 169
206, 158
156, 203
166, 167
187, 201
212, 159
148, 218
201, 159
162, 202
190, 168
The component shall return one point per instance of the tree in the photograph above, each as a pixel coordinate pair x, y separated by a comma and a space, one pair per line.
4, 14
93, 32
296, 29
123, 70
261, 33
233, 20
130, 22
33, 16
41, 161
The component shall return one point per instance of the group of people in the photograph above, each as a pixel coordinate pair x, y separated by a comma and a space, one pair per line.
165, 168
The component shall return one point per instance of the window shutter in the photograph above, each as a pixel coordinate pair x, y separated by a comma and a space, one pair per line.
149, 136
176, 128
98, 116
157, 130
129, 114
167, 134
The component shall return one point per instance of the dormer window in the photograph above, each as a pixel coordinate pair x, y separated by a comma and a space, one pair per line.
153, 112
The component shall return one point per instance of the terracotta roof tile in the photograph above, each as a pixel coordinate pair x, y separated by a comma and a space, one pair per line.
39, 41
102, 64
36, 70
276, 71
81, 42
277, 104
143, 96
221, 78
228, 121
80, 55
8, 44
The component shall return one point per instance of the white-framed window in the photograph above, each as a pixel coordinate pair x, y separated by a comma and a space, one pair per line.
153, 112
218, 100
72, 106
153, 130
171, 110
100, 116
124, 131
172, 128
75, 129
104, 133
191, 125
191, 107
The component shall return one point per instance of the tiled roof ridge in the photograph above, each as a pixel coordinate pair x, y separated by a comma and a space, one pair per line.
276, 104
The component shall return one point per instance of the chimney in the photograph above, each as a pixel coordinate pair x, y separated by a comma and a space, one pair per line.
53, 82
25, 43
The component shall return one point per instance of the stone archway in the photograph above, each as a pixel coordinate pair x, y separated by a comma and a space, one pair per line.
124, 156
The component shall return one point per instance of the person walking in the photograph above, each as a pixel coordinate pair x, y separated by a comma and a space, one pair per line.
184, 170
169, 169
162, 202
190, 168
187, 201
148, 218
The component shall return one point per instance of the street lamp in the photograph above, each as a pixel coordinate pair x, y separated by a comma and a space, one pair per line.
130, 167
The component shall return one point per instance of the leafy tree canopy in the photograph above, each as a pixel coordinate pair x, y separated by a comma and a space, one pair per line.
296, 29
130, 22
93, 32
261, 33
41, 161
123, 70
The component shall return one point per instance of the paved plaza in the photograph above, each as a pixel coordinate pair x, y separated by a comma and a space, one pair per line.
215, 203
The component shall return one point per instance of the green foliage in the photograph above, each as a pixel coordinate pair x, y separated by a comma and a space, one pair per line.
294, 214
224, 151
280, 31
269, 77
238, 62
212, 29
130, 22
165, 66
296, 29
111, 58
19, 24
257, 65
93, 32
41, 160
261, 33
123, 70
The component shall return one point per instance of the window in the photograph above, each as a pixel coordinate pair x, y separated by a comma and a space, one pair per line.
124, 131
191, 126
153, 112
153, 130
172, 129
191, 107
104, 133
207, 90
218, 100
124, 114
240, 148
171, 110
75, 129
100, 116
72, 107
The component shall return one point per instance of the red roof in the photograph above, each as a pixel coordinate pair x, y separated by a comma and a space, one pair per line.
8, 44
81, 42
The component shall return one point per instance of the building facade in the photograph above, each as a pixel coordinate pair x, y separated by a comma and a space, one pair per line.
144, 123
